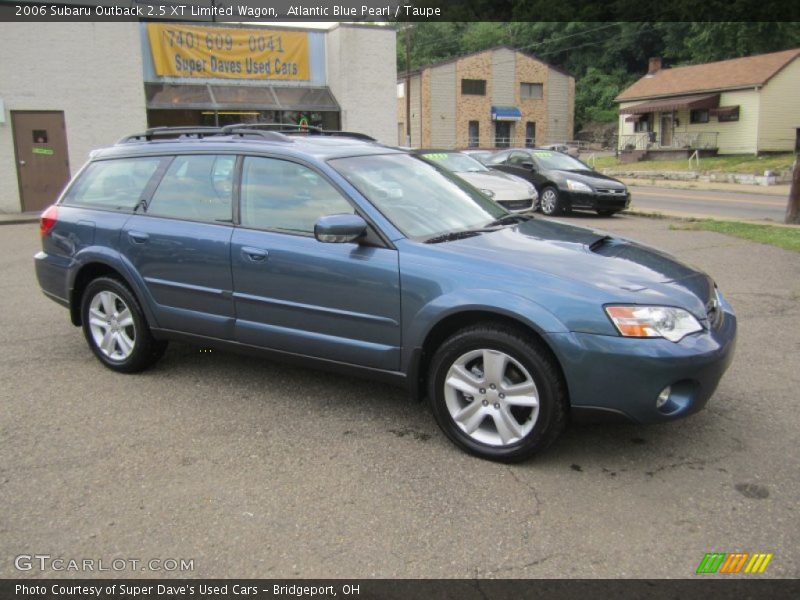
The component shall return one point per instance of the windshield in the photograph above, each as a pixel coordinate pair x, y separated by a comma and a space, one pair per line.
455, 162
417, 197
556, 160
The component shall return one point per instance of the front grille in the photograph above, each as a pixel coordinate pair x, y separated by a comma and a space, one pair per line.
515, 204
611, 191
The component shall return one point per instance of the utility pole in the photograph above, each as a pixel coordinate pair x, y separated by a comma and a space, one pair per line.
408, 85
793, 208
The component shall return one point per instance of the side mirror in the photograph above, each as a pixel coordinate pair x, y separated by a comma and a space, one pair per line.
339, 229
527, 165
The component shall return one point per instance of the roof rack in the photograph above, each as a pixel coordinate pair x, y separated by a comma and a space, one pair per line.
275, 132
156, 132
293, 128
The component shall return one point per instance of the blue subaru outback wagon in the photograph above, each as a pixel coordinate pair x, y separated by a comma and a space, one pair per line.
333, 250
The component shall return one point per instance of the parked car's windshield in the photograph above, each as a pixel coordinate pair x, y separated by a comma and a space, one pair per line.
417, 197
455, 162
556, 160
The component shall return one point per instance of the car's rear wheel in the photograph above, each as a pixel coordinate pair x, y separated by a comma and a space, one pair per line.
497, 394
116, 328
551, 202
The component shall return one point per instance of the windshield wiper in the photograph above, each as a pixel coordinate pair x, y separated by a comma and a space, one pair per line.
458, 235
509, 218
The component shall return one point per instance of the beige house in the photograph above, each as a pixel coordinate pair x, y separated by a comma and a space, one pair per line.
496, 98
745, 105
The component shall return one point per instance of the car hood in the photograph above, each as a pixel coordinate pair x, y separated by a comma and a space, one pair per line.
628, 270
504, 186
587, 176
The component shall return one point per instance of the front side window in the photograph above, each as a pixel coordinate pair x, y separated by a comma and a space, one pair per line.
113, 184
286, 196
196, 188
420, 199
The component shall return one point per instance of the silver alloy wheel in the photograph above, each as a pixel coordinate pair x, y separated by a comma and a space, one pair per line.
549, 199
491, 397
112, 326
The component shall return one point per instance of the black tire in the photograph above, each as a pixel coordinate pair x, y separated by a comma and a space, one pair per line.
552, 207
144, 350
540, 366
606, 213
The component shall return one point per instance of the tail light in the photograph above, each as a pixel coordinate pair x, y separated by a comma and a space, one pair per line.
48, 220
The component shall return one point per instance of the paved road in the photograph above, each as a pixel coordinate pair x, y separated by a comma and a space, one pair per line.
254, 469
707, 203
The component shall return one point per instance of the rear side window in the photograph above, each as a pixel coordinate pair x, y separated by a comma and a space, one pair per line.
114, 184
282, 195
196, 188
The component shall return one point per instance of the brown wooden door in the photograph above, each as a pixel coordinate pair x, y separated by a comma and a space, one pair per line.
40, 143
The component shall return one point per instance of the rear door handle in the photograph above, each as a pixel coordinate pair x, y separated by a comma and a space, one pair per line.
138, 237
256, 255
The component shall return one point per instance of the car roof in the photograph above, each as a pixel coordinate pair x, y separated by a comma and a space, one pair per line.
322, 147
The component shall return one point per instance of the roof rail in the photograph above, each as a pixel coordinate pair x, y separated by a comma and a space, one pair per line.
293, 128
273, 136
155, 132
276, 132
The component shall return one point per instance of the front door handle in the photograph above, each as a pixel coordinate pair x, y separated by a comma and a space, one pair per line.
256, 255
138, 237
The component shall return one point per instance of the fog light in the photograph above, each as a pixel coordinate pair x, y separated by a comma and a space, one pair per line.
663, 396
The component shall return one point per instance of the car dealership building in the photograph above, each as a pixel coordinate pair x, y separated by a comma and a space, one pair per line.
67, 88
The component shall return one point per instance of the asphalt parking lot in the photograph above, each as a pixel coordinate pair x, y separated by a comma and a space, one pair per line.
254, 469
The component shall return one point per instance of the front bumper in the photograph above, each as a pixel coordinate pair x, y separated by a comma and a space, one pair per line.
521, 205
597, 200
614, 375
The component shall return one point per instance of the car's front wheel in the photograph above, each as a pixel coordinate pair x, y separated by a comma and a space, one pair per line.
497, 394
115, 327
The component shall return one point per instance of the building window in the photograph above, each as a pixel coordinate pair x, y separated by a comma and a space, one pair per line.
474, 134
699, 115
401, 90
530, 90
530, 134
473, 87
728, 115
642, 125
502, 134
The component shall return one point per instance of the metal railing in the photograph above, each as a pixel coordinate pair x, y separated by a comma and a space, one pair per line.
681, 140
502, 142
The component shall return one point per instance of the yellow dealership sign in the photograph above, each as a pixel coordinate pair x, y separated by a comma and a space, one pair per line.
228, 53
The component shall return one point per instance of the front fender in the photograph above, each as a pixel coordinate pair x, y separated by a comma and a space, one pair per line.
512, 306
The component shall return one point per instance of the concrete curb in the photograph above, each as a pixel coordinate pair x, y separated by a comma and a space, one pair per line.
680, 216
16, 219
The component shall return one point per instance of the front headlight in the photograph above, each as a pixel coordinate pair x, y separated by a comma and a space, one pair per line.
532, 192
667, 322
577, 186
489, 193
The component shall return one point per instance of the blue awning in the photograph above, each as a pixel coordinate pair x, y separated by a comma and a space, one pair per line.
506, 113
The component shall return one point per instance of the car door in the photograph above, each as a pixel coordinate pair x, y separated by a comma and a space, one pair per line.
180, 245
335, 301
